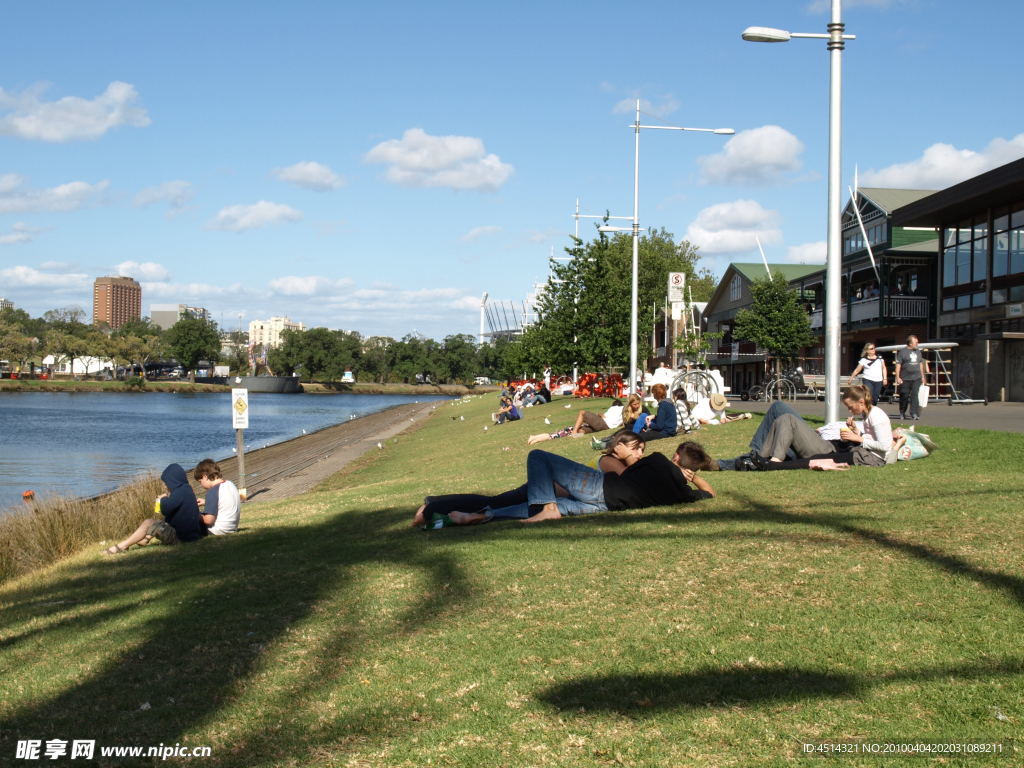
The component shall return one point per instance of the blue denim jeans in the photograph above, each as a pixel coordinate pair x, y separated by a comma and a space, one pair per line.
543, 470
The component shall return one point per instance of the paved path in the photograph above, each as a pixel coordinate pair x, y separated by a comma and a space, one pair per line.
296, 466
1002, 417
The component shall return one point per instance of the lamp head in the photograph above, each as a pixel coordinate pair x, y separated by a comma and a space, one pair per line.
765, 35
724, 131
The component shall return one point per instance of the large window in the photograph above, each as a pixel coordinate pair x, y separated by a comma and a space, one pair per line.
735, 288
965, 263
1007, 253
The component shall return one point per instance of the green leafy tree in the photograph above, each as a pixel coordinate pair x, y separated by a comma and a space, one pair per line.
459, 359
775, 320
15, 346
378, 355
587, 299
192, 339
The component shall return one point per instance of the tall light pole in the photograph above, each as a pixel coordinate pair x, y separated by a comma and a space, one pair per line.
635, 291
834, 258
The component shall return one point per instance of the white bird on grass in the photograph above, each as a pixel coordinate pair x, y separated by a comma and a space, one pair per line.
379, 445
547, 420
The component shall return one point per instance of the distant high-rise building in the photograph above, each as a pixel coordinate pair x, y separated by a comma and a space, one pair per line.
165, 315
115, 301
268, 332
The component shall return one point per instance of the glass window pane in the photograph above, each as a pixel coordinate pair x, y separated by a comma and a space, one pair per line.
1017, 293
948, 304
963, 302
979, 299
980, 227
964, 233
950, 236
1002, 220
948, 267
1000, 255
1017, 217
998, 295
1016, 251
963, 263
980, 259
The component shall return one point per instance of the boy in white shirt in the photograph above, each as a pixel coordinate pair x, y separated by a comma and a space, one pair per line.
220, 508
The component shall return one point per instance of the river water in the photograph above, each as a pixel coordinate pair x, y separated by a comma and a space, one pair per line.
83, 443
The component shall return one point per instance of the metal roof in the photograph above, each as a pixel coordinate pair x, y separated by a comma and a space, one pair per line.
891, 199
755, 270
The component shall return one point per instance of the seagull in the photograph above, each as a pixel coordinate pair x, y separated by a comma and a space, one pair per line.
462, 418
568, 406
304, 432
485, 429
379, 445
547, 420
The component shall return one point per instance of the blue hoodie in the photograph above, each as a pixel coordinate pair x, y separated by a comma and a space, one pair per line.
180, 509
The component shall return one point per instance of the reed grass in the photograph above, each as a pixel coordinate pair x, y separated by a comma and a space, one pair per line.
51, 530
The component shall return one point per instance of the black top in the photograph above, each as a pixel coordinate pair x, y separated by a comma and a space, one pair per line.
654, 481
180, 509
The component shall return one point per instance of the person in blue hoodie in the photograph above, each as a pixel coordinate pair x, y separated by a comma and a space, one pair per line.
180, 521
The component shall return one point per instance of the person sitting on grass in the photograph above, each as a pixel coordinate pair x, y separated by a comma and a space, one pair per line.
180, 521
507, 411
783, 436
220, 508
664, 422
586, 422
557, 487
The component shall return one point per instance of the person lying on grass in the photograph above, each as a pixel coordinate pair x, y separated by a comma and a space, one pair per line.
692, 456
784, 437
180, 521
613, 459
586, 422
557, 487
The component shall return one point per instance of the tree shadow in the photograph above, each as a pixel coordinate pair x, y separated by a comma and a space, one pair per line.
187, 626
637, 695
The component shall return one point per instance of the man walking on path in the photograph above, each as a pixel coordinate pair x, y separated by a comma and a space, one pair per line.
911, 367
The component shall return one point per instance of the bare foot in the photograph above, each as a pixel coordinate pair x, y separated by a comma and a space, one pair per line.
467, 518
548, 512
533, 439
825, 465
419, 518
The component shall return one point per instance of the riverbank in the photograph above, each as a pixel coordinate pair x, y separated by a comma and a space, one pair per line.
313, 388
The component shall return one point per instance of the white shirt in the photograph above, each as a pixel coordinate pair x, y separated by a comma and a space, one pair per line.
872, 369
228, 503
613, 417
705, 413
877, 431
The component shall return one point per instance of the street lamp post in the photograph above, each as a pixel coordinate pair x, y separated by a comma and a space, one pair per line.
634, 295
833, 260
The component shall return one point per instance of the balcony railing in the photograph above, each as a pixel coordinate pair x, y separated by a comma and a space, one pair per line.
895, 308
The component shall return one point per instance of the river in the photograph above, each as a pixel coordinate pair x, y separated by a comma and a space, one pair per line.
77, 444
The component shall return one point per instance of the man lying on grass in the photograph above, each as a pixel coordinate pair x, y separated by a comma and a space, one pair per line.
557, 487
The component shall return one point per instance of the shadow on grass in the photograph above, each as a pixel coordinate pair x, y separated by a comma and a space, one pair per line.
175, 634
639, 694
636, 694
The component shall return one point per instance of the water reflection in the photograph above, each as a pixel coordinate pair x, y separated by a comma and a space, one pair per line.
84, 443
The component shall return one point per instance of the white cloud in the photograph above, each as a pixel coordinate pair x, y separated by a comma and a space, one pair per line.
29, 277
238, 218
308, 286
758, 156
733, 227
310, 175
666, 105
477, 232
71, 118
942, 165
176, 194
148, 270
421, 160
808, 253
17, 197
20, 234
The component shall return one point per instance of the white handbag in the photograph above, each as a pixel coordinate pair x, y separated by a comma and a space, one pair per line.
922, 395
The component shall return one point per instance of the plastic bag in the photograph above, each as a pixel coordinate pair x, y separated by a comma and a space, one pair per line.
922, 395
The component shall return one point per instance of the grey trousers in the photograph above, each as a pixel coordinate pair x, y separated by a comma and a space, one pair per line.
789, 431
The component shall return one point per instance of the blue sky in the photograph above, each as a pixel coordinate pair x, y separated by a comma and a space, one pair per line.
376, 167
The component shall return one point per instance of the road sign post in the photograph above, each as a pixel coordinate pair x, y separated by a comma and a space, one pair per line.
240, 421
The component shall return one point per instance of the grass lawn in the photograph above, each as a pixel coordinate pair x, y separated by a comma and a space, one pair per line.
876, 605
